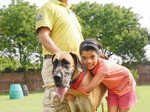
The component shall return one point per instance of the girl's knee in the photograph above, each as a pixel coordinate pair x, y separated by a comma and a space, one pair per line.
113, 109
124, 109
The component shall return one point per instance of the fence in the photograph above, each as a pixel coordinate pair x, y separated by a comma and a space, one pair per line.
32, 80
144, 72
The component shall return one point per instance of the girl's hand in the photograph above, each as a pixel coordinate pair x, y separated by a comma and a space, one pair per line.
84, 91
70, 97
74, 92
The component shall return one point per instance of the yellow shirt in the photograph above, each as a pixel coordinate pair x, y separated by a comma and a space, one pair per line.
64, 26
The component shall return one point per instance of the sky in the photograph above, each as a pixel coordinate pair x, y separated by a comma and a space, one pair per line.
141, 7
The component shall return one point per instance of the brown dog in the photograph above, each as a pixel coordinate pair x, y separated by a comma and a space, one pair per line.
67, 68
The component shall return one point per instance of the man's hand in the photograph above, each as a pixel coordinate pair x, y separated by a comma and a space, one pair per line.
59, 53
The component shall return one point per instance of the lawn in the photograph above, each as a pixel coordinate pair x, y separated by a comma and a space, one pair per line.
143, 94
33, 102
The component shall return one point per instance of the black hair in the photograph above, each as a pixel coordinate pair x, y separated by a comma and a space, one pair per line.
91, 44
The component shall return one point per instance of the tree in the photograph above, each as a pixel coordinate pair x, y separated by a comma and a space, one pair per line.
116, 28
17, 31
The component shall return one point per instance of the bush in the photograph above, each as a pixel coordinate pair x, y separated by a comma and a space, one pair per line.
20, 69
8, 70
135, 73
8, 65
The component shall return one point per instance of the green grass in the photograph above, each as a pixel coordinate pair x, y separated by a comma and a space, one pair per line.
33, 102
143, 95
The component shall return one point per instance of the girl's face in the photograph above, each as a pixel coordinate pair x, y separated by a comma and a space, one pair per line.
89, 58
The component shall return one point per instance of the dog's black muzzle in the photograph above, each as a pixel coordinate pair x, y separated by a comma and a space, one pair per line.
58, 79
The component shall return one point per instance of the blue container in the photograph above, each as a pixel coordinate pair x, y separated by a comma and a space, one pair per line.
15, 91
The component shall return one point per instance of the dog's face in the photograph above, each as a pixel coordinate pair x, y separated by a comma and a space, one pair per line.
64, 67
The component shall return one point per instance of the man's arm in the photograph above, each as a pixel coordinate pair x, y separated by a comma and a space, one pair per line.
44, 37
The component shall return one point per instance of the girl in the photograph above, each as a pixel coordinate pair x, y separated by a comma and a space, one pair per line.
118, 79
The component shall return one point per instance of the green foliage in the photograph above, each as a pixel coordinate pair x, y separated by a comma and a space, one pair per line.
116, 28
17, 32
8, 65
135, 73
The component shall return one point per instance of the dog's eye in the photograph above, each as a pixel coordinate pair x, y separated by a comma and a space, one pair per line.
55, 63
65, 63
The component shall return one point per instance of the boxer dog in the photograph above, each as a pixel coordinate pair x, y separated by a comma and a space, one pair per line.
66, 69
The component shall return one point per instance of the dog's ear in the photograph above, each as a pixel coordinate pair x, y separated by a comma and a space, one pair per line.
53, 58
77, 61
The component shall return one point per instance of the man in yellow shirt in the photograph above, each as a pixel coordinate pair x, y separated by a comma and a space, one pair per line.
58, 30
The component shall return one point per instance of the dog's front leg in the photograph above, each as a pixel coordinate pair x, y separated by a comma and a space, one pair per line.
72, 96
72, 106
71, 102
